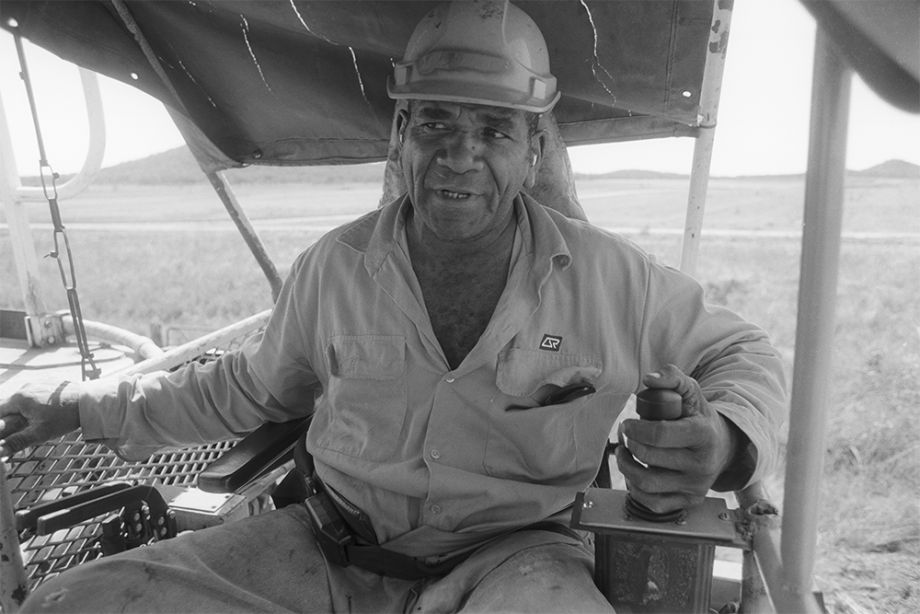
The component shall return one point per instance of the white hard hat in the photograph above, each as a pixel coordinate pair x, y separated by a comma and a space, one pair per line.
477, 51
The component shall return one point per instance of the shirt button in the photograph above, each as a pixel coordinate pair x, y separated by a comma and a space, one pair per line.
450, 380
435, 453
435, 509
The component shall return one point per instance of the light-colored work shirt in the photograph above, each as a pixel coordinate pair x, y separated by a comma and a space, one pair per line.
442, 458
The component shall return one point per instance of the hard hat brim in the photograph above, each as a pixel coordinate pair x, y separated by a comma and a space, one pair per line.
481, 94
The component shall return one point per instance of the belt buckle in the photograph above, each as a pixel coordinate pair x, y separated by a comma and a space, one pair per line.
329, 529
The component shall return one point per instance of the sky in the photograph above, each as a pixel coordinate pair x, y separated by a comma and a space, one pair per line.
762, 125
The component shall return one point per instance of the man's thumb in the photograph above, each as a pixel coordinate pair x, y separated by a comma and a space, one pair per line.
672, 378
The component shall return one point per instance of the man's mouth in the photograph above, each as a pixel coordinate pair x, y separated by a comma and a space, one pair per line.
452, 195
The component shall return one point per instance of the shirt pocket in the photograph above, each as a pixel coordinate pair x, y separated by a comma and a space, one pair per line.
366, 395
527, 440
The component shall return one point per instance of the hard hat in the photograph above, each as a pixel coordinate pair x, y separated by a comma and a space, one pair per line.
477, 51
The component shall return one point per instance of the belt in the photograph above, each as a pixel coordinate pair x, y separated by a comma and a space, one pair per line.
337, 542
337, 523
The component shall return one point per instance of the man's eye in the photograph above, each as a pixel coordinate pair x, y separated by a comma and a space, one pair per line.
492, 133
434, 125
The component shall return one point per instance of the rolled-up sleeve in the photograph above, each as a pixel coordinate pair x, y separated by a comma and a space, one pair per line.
738, 369
267, 380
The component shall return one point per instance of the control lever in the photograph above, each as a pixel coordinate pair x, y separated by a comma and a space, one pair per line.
656, 404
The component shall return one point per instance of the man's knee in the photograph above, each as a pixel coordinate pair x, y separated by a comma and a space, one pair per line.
48, 597
548, 566
99, 586
552, 578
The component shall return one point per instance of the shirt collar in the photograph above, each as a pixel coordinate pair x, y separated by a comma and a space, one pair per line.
379, 233
540, 231
382, 232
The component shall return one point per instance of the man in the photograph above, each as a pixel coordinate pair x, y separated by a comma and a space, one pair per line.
441, 329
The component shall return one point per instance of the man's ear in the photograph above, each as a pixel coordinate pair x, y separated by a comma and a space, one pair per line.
394, 184
537, 147
402, 121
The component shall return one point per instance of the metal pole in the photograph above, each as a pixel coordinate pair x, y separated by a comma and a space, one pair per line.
710, 93
95, 151
696, 199
196, 347
245, 228
14, 582
25, 256
815, 325
44, 328
218, 182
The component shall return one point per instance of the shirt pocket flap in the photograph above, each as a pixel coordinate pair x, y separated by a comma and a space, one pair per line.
522, 373
374, 357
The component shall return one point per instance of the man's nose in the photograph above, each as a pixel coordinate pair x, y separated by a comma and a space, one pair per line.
461, 153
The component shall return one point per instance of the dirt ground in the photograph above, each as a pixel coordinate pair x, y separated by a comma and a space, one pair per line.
854, 582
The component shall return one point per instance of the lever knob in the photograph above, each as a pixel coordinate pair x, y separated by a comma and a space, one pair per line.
658, 404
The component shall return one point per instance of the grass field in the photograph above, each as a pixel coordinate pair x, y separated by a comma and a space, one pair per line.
869, 532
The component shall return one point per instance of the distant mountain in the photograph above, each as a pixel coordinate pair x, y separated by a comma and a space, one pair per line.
175, 166
891, 168
178, 166
631, 174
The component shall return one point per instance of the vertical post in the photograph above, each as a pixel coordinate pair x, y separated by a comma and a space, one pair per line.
245, 228
24, 254
44, 328
702, 148
696, 199
14, 582
95, 151
815, 324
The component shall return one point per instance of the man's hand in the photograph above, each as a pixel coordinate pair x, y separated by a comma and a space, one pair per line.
37, 413
684, 457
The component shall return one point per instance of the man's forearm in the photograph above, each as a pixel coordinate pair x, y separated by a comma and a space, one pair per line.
742, 461
198, 404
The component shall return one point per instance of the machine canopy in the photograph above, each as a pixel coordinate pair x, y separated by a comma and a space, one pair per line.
302, 82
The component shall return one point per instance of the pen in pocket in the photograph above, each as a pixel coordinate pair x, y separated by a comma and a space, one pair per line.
566, 394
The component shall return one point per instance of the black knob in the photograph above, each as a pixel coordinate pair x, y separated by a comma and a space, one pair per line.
658, 404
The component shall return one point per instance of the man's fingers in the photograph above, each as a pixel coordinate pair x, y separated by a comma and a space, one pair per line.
16, 434
670, 434
674, 459
651, 479
672, 378
668, 377
17, 442
659, 490
12, 423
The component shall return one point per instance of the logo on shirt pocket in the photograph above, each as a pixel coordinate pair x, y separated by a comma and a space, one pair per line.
551, 343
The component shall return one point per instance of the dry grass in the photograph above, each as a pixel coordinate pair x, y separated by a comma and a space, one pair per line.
869, 537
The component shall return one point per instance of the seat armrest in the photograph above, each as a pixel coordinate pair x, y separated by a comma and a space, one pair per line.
27, 520
266, 448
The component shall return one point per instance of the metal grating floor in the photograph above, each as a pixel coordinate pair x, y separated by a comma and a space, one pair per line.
70, 465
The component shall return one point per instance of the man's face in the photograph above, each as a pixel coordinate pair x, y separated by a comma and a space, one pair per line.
463, 165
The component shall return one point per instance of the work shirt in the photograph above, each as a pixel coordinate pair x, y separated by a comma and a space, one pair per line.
443, 458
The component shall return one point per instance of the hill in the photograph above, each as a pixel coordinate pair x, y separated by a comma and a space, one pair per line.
178, 167
631, 174
891, 168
